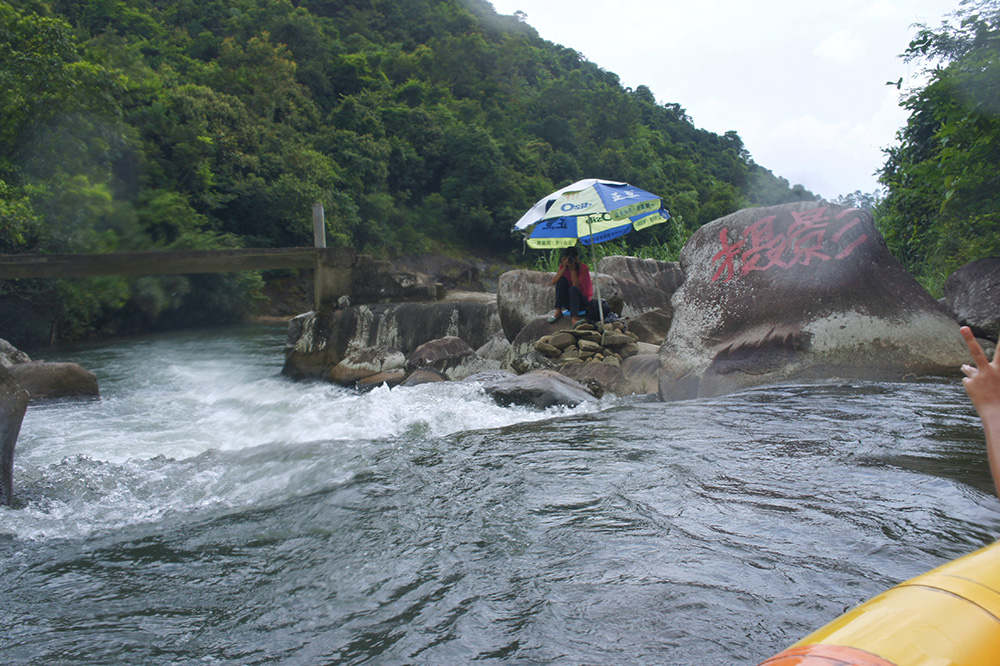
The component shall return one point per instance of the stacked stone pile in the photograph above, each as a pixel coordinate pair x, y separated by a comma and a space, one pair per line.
586, 344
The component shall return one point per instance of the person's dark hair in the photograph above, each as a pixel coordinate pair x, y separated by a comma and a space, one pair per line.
570, 252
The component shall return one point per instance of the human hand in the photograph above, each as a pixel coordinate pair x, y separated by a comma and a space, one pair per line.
981, 382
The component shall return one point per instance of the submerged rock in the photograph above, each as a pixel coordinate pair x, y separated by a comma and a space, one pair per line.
539, 388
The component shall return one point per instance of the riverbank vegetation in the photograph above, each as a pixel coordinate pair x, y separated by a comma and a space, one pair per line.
419, 124
942, 179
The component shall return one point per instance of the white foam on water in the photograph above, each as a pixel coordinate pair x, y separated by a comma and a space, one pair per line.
212, 433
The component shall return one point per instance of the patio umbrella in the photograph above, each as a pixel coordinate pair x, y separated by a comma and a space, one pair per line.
590, 211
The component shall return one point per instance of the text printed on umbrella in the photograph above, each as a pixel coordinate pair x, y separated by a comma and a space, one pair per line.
624, 196
806, 240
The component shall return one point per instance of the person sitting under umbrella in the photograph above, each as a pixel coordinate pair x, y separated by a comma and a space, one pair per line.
573, 288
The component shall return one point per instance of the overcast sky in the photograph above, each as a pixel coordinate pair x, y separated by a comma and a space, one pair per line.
803, 82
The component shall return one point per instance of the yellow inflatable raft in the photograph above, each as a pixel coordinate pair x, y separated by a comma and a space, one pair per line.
947, 617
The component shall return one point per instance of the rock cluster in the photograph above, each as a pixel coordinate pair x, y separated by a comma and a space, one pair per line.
586, 344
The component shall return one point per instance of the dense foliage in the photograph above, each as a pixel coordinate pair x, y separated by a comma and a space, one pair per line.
942, 207
419, 124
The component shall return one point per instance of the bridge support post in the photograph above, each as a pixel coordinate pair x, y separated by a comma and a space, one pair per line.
333, 275
319, 225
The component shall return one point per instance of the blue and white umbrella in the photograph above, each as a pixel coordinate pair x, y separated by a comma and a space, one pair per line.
590, 211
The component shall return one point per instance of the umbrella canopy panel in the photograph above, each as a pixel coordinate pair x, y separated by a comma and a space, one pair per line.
590, 211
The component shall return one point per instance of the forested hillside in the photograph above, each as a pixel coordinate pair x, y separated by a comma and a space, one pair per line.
419, 124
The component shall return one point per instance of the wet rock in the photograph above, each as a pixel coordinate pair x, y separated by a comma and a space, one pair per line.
799, 292
607, 377
389, 378
434, 350
50, 381
541, 389
366, 363
642, 374
13, 404
320, 340
424, 376
530, 362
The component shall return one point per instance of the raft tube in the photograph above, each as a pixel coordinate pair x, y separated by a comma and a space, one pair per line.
949, 616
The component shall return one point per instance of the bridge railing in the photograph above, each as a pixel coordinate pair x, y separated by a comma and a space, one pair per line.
332, 266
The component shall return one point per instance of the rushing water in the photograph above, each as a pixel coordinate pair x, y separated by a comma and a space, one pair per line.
208, 511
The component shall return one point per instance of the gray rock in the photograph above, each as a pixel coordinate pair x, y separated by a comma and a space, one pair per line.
50, 381
13, 403
652, 326
972, 294
11, 355
379, 281
489, 377
389, 378
600, 378
320, 340
641, 374
524, 296
796, 292
424, 376
460, 366
539, 388
531, 361
365, 363
645, 284
434, 350
525, 341
496, 349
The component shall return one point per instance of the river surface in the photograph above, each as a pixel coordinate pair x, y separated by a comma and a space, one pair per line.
208, 511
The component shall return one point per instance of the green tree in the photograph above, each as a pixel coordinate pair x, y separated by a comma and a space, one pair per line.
942, 208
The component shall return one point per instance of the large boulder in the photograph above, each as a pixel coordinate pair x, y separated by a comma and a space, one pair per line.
523, 296
317, 341
13, 403
652, 326
539, 388
11, 355
794, 292
645, 284
51, 381
972, 293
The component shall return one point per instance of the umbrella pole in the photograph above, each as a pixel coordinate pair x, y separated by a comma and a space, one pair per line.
597, 279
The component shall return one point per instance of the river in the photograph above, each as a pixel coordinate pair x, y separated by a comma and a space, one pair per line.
208, 511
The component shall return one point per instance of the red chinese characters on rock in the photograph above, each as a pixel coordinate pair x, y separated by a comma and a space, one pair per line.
804, 243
